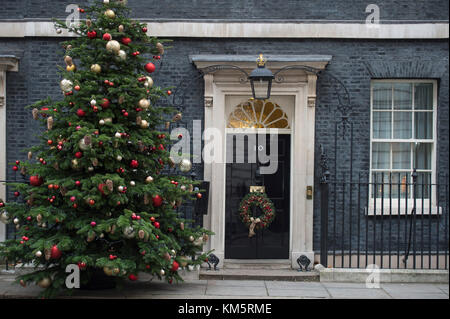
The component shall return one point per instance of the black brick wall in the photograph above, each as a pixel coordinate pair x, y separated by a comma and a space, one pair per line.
349, 10
355, 62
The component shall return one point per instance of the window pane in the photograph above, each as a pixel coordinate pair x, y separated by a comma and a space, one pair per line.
423, 156
382, 124
402, 124
382, 96
423, 125
403, 96
381, 155
401, 155
423, 185
400, 184
380, 184
423, 96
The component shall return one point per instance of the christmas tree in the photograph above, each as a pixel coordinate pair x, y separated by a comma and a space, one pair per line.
100, 192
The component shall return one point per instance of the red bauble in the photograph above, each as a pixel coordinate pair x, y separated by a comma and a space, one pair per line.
175, 266
36, 180
79, 154
105, 103
92, 34
100, 188
77, 88
144, 29
81, 113
156, 224
150, 67
77, 183
199, 195
55, 252
107, 37
157, 200
126, 41
132, 277
134, 164
15, 168
17, 194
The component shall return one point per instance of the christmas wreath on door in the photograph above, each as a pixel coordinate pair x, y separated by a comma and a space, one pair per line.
257, 199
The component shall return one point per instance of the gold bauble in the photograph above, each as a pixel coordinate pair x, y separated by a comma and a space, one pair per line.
70, 68
116, 271
96, 68
110, 14
144, 124
141, 234
44, 282
74, 163
144, 103
113, 46
191, 238
4, 217
160, 48
108, 271
183, 260
148, 82
121, 28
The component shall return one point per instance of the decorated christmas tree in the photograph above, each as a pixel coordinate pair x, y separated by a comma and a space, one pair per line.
103, 190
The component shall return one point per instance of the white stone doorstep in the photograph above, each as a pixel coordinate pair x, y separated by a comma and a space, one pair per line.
357, 275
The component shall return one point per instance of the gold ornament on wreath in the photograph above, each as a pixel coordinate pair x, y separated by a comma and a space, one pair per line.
260, 200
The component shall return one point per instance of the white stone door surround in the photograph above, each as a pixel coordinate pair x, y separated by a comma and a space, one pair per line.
7, 63
297, 83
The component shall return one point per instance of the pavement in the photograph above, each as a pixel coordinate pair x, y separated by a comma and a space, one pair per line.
240, 289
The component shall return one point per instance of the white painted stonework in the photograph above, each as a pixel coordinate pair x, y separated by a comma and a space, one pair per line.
298, 87
20, 29
7, 63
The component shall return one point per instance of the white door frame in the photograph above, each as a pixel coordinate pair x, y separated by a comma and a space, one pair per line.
7, 63
302, 86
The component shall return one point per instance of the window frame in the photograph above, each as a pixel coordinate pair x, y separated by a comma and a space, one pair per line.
392, 205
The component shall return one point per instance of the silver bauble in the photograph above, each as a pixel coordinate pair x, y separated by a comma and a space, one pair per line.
66, 85
185, 165
83, 146
128, 232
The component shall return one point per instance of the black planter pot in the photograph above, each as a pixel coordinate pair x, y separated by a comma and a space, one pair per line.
99, 281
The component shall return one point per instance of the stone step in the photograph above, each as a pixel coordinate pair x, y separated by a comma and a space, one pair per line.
259, 274
252, 264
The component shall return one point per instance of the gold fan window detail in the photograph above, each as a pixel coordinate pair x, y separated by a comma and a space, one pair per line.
258, 114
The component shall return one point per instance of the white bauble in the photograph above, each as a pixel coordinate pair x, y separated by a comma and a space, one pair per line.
132, 183
119, 158
118, 135
16, 221
148, 82
38, 254
83, 146
122, 55
120, 188
90, 169
93, 102
105, 1
66, 85
185, 165
101, 122
162, 272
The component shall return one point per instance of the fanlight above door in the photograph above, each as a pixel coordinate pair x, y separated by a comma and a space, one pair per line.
258, 114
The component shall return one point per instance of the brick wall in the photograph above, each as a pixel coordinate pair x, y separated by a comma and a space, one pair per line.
243, 9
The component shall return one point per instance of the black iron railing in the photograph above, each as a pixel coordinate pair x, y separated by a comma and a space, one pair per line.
392, 220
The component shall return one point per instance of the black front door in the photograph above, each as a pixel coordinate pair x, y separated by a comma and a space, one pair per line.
272, 242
